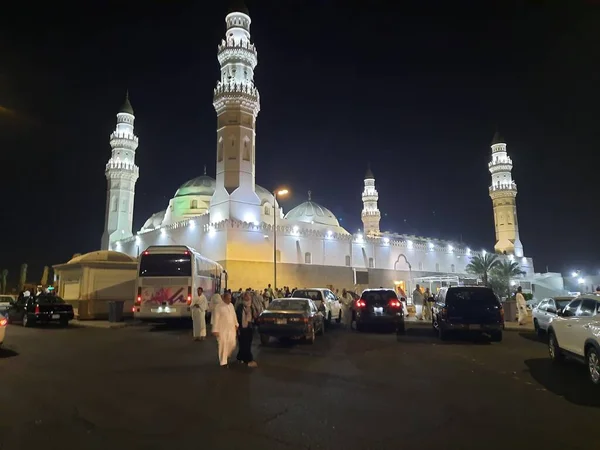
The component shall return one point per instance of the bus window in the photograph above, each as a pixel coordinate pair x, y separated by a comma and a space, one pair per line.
165, 265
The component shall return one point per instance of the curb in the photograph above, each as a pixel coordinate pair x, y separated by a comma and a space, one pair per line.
109, 326
525, 328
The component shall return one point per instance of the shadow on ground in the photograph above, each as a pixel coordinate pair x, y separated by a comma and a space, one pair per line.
7, 353
426, 335
569, 380
532, 336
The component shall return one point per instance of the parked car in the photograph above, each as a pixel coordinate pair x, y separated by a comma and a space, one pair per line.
3, 324
573, 334
5, 302
323, 296
44, 308
378, 308
293, 318
546, 310
468, 308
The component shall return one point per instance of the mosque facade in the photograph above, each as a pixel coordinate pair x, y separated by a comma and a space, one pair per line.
233, 220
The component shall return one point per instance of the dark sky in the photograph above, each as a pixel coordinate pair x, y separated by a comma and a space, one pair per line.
417, 90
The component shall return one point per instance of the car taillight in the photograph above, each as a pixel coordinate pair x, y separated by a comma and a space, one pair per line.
361, 303
138, 299
444, 312
189, 297
37, 309
3, 322
393, 303
502, 314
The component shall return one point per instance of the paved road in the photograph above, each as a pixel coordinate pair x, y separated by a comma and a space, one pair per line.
153, 388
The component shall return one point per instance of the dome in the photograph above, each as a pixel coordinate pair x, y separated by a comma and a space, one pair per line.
126, 108
102, 255
312, 212
154, 221
202, 185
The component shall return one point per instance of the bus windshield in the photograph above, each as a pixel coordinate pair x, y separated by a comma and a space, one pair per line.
166, 265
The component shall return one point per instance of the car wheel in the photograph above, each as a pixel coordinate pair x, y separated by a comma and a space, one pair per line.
322, 329
556, 355
264, 339
329, 318
311, 337
442, 334
339, 319
26, 321
593, 362
536, 327
401, 329
64, 323
496, 336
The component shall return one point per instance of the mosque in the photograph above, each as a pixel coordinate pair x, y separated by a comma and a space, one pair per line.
240, 224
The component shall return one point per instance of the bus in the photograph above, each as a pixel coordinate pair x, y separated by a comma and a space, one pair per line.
168, 277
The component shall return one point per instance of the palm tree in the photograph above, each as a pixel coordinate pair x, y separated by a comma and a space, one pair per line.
23, 277
504, 271
482, 266
44, 280
3, 276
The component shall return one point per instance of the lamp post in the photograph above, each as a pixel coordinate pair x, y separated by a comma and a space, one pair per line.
276, 194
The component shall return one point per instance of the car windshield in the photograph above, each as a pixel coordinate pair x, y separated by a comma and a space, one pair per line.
308, 293
379, 296
165, 265
288, 305
471, 297
49, 300
562, 303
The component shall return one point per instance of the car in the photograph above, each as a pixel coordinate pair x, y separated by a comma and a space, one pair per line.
44, 308
378, 308
546, 310
324, 296
5, 302
574, 334
292, 318
3, 324
467, 308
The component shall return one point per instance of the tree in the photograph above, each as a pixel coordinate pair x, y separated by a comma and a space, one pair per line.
44, 280
3, 278
501, 275
23, 277
482, 265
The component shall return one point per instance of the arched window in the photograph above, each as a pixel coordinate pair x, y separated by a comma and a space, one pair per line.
194, 204
114, 207
452, 268
348, 260
220, 151
246, 150
124, 205
267, 210
437, 267
371, 263
307, 258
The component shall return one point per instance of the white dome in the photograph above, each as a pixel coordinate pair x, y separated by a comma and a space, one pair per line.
202, 185
102, 255
311, 212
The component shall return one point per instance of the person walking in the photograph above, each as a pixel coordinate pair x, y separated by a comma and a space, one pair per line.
199, 306
246, 314
417, 299
225, 326
521, 306
346, 301
426, 305
215, 301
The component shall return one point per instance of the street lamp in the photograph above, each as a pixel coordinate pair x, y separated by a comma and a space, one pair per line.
277, 193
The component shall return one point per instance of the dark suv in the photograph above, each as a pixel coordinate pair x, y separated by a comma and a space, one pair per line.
468, 308
378, 307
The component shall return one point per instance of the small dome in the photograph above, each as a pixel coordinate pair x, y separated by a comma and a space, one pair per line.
311, 212
497, 139
202, 185
154, 221
127, 108
102, 255
238, 6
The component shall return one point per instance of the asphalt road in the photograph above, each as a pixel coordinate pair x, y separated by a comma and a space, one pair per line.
154, 388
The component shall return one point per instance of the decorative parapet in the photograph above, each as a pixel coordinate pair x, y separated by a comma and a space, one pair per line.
124, 140
503, 190
239, 50
500, 167
122, 165
227, 88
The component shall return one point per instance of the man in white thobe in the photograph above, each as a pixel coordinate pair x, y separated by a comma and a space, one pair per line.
225, 326
215, 301
521, 306
199, 306
417, 299
346, 301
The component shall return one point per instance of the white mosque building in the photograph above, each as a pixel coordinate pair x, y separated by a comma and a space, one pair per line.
234, 221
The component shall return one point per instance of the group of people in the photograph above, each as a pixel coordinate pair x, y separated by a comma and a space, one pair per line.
231, 326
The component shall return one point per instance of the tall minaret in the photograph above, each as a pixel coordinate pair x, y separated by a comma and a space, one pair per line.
121, 174
370, 213
236, 101
503, 192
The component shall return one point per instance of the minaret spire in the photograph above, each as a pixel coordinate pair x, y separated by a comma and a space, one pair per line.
370, 213
237, 103
503, 192
121, 175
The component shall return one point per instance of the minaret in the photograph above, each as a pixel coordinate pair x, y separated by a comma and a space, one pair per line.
370, 213
121, 174
503, 192
236, 101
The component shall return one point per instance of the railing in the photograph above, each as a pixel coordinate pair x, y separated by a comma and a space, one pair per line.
504, 187
231, 43
228, 87
129, 136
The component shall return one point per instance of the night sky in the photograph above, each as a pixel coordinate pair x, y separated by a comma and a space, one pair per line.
418, 92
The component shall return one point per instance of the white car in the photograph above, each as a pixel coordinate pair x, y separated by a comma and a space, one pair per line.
3, 325
575, 334
546, 310
6, 302
333, 307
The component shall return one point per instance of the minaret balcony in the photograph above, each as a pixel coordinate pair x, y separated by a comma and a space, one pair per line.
503, 187
235, 88
113, 165
500, 167
117, 135
244, 54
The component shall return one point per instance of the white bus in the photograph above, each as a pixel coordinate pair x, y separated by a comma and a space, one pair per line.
168, 277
